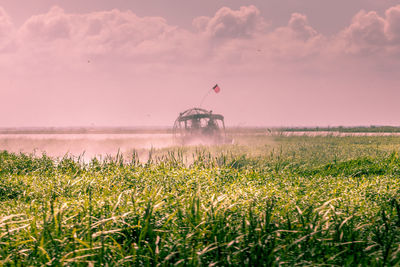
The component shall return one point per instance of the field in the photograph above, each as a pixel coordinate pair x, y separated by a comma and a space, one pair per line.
267, 200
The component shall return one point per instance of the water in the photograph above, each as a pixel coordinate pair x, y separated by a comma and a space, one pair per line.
100, 145
85, 145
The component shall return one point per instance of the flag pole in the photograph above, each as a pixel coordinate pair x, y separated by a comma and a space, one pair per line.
204, 97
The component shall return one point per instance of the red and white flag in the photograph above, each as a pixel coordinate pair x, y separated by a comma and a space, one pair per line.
216, 88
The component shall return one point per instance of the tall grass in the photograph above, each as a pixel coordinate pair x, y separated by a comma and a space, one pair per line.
293, 201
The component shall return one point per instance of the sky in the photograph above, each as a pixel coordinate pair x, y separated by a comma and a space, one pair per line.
141, 63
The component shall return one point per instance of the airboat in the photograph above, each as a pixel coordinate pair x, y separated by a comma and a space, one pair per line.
197, 125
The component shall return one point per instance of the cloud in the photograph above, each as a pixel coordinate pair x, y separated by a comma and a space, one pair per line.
228, 23
7, 32
290, 44
365, 35
111, 37
370, 34
300, 27
48, 27
296, 41
230, 38
97, 32
118, 31
393, 24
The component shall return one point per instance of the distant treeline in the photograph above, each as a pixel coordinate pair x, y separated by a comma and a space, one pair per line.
166, 130
358, 129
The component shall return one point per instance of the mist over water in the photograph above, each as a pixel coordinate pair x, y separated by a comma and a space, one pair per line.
86, 146
102, 145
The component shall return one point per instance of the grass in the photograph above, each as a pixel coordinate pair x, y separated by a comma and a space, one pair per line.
282, 201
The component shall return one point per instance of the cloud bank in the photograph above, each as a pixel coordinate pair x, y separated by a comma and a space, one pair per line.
81, 55
228, 36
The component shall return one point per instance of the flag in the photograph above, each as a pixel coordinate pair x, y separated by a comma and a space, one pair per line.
216, 88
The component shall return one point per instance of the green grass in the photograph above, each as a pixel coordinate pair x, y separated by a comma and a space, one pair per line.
281, 201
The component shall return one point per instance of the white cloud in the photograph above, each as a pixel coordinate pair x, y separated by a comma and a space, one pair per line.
114, 38
47, 27
7, 32
298, 24
370, 34
393, 24
366, 34
98, 32
228, 23
230, 39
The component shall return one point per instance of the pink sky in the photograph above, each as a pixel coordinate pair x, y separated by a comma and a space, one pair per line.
134, 63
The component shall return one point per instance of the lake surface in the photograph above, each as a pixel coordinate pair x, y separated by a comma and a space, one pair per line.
84, 145
100, 145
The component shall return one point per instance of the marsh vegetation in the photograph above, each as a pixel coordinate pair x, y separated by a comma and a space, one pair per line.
263, 201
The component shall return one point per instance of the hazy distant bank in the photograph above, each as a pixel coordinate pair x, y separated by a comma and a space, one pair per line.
168, 130
84, 130
350, 129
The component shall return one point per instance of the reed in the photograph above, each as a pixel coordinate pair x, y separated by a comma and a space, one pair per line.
288, 201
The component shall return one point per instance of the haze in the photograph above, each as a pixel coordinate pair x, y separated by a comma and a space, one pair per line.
140, 63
